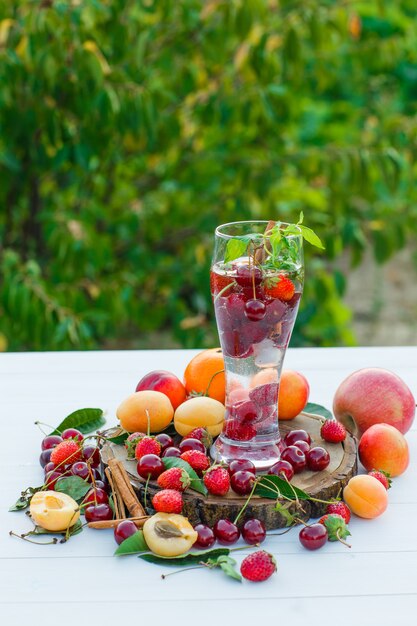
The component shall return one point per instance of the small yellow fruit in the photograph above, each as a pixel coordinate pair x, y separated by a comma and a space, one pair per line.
143, 406
199, 412
53, 510
168, 534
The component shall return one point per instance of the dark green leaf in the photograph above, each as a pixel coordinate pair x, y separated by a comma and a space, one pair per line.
24, 501
73, 486
85, 420
275, 487
318, 409
235, 248
132, 545
196, 482
192, 558
119, 437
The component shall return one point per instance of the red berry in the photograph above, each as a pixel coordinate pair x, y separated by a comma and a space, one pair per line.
295, 457
217, 480
131, 443
202, 435
383, 477
174, 478
255, 310
317, 459
248, 276
303, 445
258, 566
283, 289
98, 512
124, 530
96, 496
66, 453
164, 440
167, 501
147, 445
50, 442
239, 431
191, 444
45, 457
283, 469
171, 452
296, 435
242, 482
198, 460
253, 531
313, 537
50, 467
72, 433
333, 431
241, 464
205, 537
341, 509
92, 455
79, 468
150, 466
51, 479
226, 532
336, 527
264, 395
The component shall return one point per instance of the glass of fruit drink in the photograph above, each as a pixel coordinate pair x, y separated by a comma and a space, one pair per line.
256, 283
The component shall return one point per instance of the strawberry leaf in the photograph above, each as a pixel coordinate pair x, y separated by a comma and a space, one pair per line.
132, 545
318, 409
274, 487
73, 486
192, 558
84, 420
196, 482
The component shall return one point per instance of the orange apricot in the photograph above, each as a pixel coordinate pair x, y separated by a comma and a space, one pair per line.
365, 496
293, 394
142, 407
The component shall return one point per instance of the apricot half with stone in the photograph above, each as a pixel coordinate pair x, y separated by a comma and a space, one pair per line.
53, 510
169, 534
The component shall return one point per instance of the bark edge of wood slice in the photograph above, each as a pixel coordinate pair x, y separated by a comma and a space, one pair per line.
324, 485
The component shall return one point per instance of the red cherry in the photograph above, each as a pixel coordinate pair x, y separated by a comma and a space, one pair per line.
124, 530
253, 531
295, 457
165, 440
97, 513
50, 442
97, 495
205, 537
255, 310
282, 468
150, 465
313, 537
50, 467
171, 451
99, 484
296, 435
242, 482
51, 479
317, 459
241, 464
72, 433
303, 445
192, 444
246, 276
226, 532
45, 457
92, 455
79, 468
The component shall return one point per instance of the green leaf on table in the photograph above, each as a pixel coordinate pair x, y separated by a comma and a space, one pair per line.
192, 558
286, 514
275, 487
196, 482
235, 248
84, 420
132, 545
24, 501
73, 486
227, 564
318, 409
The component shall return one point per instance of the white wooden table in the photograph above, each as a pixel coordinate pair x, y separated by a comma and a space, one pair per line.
375, 582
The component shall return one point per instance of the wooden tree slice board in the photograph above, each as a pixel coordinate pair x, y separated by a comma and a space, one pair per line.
323, 485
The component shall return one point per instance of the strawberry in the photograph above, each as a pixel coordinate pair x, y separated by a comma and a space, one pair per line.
264, 395
258, 566
218, 282
217, 480
147, 445
335, 526
198, 460
202, 435
383, 477
167, 501
283, 288
66, 453
340, 508
333, 431
131, 443
174, 478
239, 432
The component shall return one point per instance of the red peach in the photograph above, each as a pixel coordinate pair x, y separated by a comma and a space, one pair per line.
383, 447
373, 396
293, 394
165, 382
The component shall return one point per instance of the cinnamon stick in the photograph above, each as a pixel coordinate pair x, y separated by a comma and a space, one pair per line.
119, 507
123, 486
112, 523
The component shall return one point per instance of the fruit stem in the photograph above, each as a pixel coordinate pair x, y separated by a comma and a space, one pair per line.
145, 502
211, 380
186, 569
221, 292
345, 543
39, 424
247, 502
38, 543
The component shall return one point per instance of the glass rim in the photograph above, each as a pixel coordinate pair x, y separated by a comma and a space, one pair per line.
218, 232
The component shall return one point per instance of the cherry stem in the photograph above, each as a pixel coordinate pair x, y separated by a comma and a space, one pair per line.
284, 532
38, 543
186, 569
211, 380
221, 292
146, 492
339, 538
247, 502
39, 424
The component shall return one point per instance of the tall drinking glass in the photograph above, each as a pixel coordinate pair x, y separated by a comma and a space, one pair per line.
256, 282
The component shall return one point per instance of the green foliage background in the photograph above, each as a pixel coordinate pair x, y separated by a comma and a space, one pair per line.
130, 129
